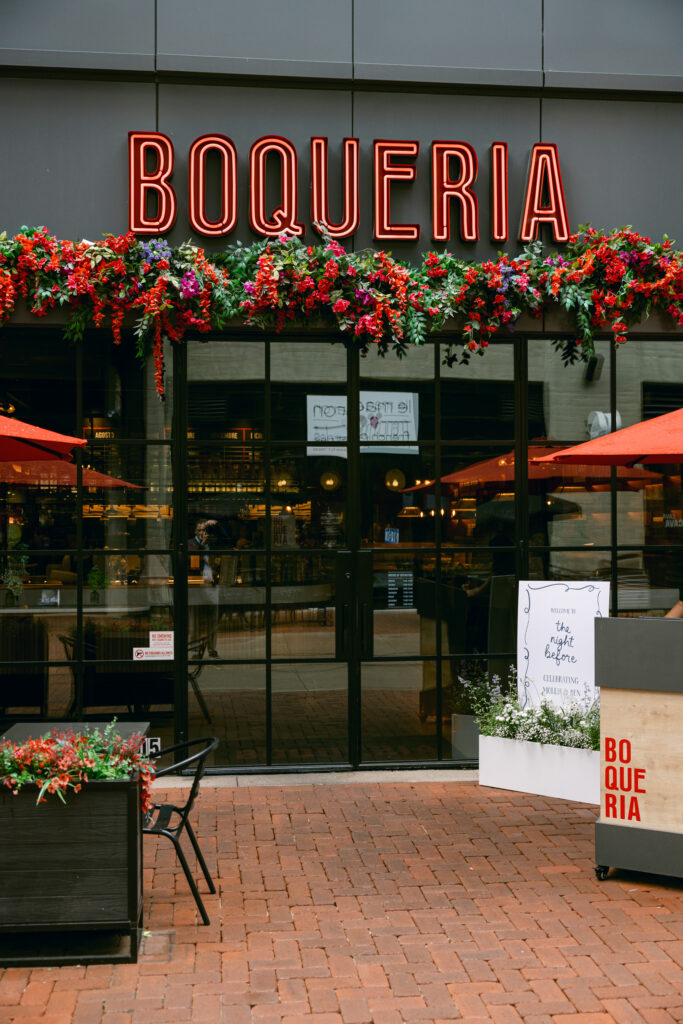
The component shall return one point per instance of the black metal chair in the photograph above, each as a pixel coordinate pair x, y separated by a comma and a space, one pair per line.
158, 819
195, 653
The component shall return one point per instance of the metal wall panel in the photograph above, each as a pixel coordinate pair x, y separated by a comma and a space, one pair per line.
475, 41
256, 37
620, 163
66, 166
78, 34
245, 114
613, 44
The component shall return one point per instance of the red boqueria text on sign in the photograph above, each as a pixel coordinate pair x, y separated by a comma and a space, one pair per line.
151, 159
622, 782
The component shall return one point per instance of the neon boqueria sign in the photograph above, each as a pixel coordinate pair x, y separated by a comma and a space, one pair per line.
153, 204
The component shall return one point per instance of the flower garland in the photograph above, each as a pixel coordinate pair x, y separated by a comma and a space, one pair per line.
607, 280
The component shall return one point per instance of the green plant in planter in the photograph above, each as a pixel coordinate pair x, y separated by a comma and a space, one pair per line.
97, 581
13, 575
61, 761
499, 713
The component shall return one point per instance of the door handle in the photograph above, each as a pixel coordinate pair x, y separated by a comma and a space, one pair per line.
365, 630
342, 637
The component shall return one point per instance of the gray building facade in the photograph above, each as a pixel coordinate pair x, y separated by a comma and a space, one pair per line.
342, 594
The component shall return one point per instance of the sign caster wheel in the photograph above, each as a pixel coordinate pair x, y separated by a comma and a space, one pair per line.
601, 872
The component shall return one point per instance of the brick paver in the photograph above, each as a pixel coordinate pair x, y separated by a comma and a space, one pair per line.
383, 903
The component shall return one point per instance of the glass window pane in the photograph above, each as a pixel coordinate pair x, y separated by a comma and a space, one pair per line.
234, 699
399, 580
459, 730
649, 583
478, 601
568, 404
127, 496
392, 726
478, 398
397, 504
310, 716
226, 486
39, 380
120, 399
308, 498
393, 415
226, 600
416, 364
225, 390
303, 606
477, 495
307, 361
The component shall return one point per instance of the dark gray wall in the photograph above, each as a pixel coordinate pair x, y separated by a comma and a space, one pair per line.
477, 70
617, 44
63, 163
78, 34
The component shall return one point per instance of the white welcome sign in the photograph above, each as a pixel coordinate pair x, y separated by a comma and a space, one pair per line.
556, 640
383, 416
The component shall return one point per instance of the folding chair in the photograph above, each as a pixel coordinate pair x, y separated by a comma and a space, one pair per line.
158, 819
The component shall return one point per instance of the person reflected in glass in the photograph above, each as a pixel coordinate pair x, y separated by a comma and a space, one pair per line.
203, 614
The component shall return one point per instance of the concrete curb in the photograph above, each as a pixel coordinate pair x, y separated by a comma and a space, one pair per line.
322, 778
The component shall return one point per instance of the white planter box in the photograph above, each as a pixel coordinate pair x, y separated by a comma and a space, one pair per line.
541, 768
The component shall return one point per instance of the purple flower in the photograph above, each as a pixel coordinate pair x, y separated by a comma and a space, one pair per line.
189, 285
250, 287
156, 249
364, 296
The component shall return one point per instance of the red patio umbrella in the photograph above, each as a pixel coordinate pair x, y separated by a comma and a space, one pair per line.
46, 473
654, 441
21, 441
501, 469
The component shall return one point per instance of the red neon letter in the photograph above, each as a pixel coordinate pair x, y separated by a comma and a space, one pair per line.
320, 193
197, 198
444, 189
384, 173
142, 182
499, 192
544, 170
284, 216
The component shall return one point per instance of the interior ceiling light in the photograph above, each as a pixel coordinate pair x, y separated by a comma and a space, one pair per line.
395, 479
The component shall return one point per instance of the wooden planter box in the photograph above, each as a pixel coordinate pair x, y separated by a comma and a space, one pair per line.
71, 868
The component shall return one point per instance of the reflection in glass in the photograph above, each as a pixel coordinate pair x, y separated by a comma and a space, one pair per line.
303, 608
654, 513
226, 486
127, 496
119, 616
308, 498
392, 514
398, 592
234, 698
119, 393
568, 404
310, 704
478, 400
226, 601
459, 730
478, 601
649, 583
392, 726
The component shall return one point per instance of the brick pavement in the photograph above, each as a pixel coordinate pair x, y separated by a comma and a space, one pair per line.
384, 902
